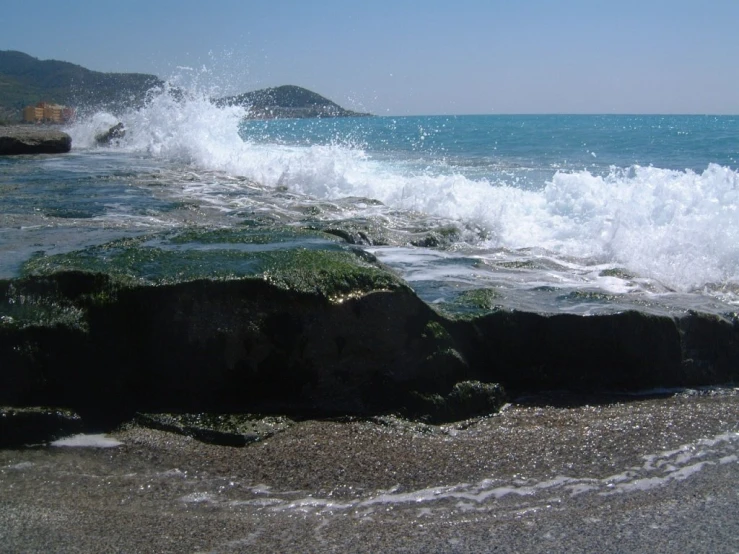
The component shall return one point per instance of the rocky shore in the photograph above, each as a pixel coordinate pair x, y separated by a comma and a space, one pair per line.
33, 139
270, 386
233, 322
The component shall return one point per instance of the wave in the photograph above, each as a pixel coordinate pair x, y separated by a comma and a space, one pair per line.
680, 228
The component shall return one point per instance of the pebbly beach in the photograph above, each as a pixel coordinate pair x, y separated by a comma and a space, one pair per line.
555, 472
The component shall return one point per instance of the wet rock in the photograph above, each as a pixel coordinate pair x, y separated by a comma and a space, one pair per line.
244, 321
709, 348
305, 332
19, 426
221, 429
429, 240
467, 399
116, 132
351, 237
624, 351
29, 139
361, 232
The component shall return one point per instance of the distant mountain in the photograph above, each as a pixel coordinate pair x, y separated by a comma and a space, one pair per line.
27, 80
287, 101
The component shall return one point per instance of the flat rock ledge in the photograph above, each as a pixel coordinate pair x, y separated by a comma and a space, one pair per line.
138, 326
31, 139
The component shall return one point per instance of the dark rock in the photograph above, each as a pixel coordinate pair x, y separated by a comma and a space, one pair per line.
163, 324
709, 348
350, 237
360, 232
624, 351
467, 399
28, 139
19, 426
222, 429
298, 332
116, 132
428, 241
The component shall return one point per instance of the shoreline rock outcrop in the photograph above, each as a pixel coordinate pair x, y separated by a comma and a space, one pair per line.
164, 325
31, 139
115, 133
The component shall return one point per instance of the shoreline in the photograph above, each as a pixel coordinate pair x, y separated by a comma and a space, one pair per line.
540, 475
172, 321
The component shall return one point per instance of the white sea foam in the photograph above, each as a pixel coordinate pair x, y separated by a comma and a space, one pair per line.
680, 228
88, 441
657, 470
654, 471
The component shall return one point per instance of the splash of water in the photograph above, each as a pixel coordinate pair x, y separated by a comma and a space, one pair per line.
678, 227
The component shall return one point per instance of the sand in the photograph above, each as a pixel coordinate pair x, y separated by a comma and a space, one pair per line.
549, 474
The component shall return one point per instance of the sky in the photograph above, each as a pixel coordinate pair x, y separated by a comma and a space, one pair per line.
411, 57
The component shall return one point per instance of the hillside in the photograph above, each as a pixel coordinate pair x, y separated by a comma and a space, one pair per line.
26, 80
287, 101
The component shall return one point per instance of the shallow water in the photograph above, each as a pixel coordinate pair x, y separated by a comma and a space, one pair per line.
586, 214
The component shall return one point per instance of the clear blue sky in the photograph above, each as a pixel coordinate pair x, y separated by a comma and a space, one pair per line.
402, 57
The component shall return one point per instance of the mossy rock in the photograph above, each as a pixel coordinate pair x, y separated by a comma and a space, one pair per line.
467, 399
333, 275
199, 321
294, 322
471, 303
300, 261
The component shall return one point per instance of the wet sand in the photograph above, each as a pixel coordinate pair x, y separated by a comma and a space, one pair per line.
548, 474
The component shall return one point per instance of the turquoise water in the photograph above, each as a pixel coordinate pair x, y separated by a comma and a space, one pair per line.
555, 212
481, 145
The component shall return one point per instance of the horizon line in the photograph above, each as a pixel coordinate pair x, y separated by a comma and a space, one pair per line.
597, 114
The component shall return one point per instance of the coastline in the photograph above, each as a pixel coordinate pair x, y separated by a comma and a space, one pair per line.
177, 324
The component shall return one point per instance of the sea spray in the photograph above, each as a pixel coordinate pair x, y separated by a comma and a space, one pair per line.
678, 227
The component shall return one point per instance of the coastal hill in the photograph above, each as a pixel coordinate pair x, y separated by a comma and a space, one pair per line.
25, 80
287, 101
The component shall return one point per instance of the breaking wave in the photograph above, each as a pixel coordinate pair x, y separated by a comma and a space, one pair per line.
680, 228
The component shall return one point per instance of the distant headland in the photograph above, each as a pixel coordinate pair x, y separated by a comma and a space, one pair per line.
27, 81
287, 101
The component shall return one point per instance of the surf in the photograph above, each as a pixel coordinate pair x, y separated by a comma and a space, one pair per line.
676, 227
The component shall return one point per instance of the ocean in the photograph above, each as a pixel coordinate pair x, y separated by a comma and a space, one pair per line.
556, 213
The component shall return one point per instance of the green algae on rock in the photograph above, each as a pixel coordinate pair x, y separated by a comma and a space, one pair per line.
162, 324
318, 265
471, 303
466, 399
292, 322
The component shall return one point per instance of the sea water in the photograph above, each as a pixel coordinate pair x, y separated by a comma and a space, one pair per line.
585, 213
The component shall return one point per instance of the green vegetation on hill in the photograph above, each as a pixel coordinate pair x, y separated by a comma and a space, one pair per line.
287, 101
25, 80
